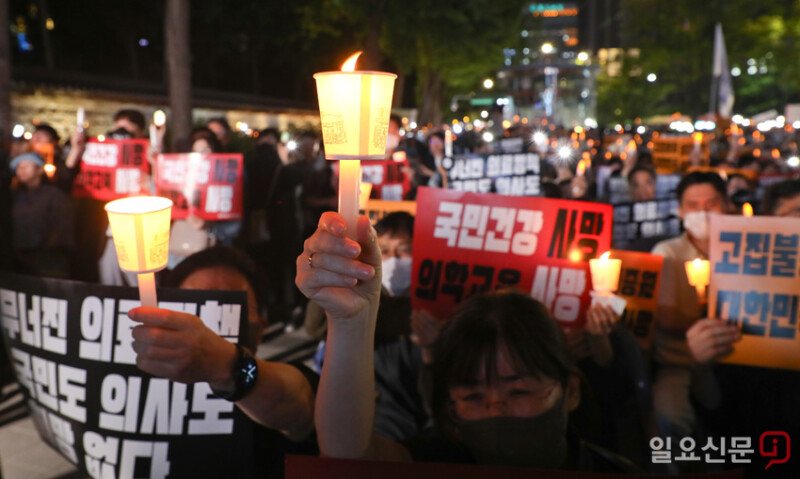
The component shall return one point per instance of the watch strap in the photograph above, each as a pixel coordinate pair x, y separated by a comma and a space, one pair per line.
244, 372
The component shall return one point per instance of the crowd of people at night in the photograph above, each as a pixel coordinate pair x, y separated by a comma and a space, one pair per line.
498, 382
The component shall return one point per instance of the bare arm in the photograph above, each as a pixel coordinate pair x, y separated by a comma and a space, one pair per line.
344, 279
179, 347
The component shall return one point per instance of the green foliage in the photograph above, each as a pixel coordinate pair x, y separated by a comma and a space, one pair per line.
456, 42
676, 41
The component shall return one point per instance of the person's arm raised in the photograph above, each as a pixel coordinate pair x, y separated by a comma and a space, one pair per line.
343, 277
179, 347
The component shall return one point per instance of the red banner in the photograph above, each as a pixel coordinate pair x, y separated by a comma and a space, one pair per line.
206, 186
112, 169
470, 243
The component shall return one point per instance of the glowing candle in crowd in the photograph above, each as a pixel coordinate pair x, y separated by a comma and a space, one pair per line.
159, 120
698, 271
605, 273
354, 109
747, 210
140, 227
581, 169
80, 118
698, 140
448, 143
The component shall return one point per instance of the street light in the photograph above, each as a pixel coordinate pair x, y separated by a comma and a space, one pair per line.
488, 83
652, 77
547, 48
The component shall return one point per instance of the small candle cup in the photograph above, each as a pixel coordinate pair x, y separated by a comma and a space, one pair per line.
605, 274
698, 272
354, 109
140, 227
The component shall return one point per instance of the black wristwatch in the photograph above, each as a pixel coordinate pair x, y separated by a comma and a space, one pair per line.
245, 374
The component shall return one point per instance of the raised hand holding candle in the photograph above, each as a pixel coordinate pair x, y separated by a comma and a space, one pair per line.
80, 118
698, 271
448, 143
354, 109
140, 227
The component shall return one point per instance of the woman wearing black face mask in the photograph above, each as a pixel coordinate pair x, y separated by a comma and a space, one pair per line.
504, 383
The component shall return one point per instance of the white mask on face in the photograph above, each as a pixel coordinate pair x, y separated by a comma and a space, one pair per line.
696, 223
397, 275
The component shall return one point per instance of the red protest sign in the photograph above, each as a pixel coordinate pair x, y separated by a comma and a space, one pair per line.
206, 186
388, 177
112, 169
469, 243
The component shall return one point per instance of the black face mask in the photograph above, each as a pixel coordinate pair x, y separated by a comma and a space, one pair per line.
535, 442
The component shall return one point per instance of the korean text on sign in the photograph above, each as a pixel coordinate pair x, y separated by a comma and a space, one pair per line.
70, 346
639, 282
112, 169
755, 285
510, 174
467, 243
206, 186
389, 178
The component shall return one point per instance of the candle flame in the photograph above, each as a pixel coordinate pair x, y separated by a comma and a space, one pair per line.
631, 146
159, 118
581, 168
575, 255
747, 210
697, 262
698, 137
605, 256
350, 64
49, 170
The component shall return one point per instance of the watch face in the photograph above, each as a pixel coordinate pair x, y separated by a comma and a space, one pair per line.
248, 372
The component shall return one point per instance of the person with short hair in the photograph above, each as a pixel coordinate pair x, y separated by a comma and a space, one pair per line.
679, 307
42, 220
132, 121
642, 183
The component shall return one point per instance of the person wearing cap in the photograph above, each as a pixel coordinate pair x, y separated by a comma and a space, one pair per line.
42, 220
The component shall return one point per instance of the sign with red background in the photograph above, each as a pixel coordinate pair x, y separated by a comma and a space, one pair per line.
469, 243
112, 169
206, 186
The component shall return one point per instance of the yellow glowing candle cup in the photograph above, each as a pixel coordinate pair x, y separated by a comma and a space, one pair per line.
605, 273
354, 109
140, 227
698, 271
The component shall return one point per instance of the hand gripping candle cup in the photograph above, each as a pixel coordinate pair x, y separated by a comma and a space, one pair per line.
698, 271
605, 278
140, 227
354, 109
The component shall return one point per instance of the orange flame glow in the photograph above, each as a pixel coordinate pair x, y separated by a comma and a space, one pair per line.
581, 168
350, 64
747, 210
